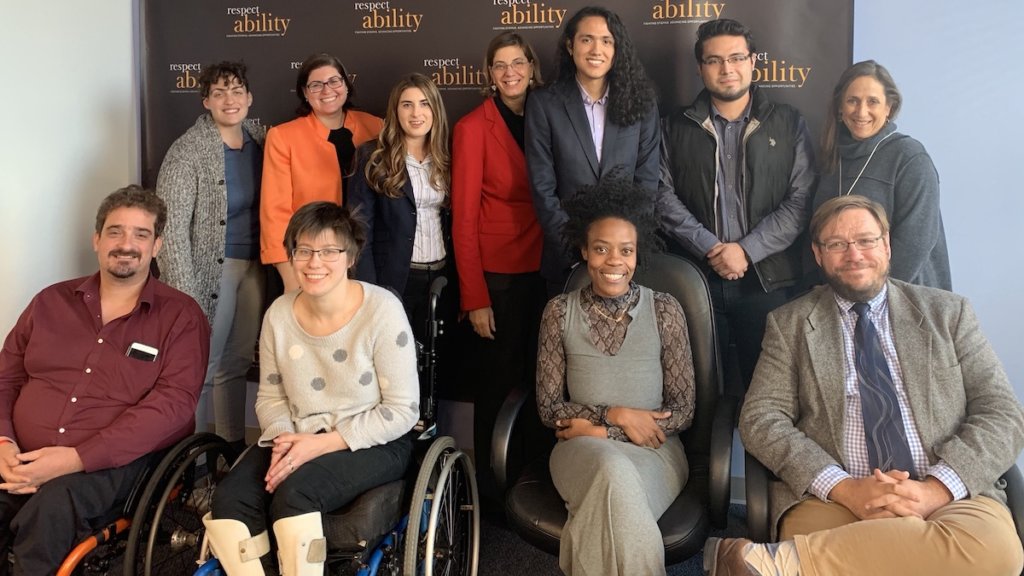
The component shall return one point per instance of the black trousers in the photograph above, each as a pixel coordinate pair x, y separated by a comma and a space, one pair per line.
323, 484
509, 361
741, 310
42, 528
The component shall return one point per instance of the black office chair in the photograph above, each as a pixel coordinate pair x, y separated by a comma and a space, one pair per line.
759, 478
535, 510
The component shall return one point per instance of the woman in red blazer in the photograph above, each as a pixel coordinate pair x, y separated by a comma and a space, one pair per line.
497, 238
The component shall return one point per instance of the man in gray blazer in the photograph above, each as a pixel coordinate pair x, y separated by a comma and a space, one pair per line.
923, 469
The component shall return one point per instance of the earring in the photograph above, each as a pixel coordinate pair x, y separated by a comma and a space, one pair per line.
531, 81
494, 88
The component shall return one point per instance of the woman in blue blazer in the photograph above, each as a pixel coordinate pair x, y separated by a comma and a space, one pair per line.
401, 190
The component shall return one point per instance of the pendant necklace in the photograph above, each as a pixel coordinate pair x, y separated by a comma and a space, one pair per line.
839, 184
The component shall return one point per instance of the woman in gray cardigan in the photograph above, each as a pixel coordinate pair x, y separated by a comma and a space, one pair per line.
864, 154
210, 180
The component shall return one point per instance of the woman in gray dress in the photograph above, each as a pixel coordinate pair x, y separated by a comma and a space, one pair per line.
615, 380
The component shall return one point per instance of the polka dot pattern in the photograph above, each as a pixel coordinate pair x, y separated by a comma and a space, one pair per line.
318, 383
295, 352
403, 339
386, 413
340, 355
274, 378
366, 379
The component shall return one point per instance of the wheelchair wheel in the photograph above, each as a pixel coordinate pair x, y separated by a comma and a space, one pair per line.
453, 531
442, 535
167, 528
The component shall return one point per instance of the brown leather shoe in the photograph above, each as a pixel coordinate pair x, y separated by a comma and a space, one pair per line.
724, 557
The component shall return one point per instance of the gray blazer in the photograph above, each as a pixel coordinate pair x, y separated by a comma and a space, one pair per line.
561, 158
965, 410
191, 182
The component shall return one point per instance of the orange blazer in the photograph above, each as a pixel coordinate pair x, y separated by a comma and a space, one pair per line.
300, 166
494, 226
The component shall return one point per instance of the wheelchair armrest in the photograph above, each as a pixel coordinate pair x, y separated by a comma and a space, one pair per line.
504, 425
1013, 483
720, 461
758, 515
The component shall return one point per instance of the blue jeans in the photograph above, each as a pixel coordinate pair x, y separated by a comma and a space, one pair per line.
741, 309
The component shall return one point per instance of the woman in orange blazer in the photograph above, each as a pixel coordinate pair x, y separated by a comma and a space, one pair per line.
497, 237
310, 157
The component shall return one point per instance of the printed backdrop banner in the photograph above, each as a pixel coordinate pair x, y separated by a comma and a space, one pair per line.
801, 48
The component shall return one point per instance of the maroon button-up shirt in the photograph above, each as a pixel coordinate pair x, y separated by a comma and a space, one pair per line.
65, 378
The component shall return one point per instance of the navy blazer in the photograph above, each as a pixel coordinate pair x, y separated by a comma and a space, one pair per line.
390, 229
561, 158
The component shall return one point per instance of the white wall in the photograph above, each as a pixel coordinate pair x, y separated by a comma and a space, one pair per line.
69, 137
959, 69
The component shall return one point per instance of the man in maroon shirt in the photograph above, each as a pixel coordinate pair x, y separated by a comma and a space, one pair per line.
98, 373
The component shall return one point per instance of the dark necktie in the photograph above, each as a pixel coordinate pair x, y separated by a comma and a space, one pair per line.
886, 438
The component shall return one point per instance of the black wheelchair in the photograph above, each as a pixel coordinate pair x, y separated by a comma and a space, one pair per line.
427, 523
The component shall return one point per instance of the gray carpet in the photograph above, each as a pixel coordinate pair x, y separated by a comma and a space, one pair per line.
502, 553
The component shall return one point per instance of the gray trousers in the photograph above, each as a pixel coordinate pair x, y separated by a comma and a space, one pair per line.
236, 326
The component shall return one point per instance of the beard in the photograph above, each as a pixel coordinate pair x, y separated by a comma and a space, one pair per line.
861, 293
732, 96
124, 269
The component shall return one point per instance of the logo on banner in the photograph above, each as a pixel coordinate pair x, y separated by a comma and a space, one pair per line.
250, 22
527, 15
297, 64
771, 73
381, 18
186, 77
684, 12
449, 74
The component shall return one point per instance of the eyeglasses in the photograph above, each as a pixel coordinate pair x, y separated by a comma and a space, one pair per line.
841, 246
518, 65
326, 254
317, 86
732, 60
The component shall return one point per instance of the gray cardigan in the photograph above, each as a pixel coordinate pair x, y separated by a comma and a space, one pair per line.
902, 178
191, 182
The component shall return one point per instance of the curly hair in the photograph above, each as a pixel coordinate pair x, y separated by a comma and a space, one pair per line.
385, 168
830, 133
314, 62
612, 197
133, 196
316, 218
630, 93
213, 73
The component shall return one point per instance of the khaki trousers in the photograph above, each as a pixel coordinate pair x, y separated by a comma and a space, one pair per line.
972, 537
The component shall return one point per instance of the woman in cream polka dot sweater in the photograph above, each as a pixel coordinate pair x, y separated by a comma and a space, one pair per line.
338, 394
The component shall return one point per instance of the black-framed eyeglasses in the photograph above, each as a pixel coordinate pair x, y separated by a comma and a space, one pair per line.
316, 86
326, 254
841, 246
732, 60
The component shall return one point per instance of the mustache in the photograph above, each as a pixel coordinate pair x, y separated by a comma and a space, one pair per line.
131, 253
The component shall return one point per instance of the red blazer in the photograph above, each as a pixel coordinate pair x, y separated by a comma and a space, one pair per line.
301, 166
494, 226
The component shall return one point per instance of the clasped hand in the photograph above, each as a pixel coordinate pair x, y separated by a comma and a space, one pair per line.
25, 472
640, 426
728, 260
291, 450
890, 495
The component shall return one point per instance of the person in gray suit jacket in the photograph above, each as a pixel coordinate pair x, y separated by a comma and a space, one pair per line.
600, 116
878, 400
